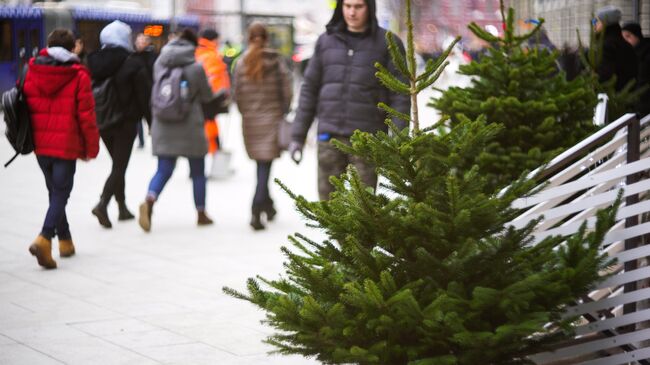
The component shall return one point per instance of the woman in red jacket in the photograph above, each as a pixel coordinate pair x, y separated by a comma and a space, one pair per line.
61, 106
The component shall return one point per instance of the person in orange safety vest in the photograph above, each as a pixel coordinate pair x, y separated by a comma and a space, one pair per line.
207, 54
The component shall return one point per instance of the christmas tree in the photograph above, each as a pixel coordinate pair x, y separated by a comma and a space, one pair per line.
521, 88
427, 272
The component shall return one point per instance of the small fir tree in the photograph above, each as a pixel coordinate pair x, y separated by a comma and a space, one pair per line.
429, 272
521, 88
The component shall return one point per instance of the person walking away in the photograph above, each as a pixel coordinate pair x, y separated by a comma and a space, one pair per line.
145, 50
132, 85
207, 54
263, 94
180, 137
633, 35
341, 90
59, 97
618, 58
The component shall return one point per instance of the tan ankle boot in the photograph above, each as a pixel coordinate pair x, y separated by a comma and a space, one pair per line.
66, 248
42, 249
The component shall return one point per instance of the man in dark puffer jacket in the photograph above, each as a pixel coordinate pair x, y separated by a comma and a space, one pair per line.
341, 90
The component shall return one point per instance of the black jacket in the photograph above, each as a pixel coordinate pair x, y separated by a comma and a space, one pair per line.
132, 79
643, 77
618, 60
340, 87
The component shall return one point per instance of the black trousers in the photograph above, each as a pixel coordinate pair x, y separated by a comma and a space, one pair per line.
262, 195
119, 143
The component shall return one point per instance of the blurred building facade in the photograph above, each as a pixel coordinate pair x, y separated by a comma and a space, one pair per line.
563, 17
437, 22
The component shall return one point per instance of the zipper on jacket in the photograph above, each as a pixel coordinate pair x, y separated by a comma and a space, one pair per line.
345, 84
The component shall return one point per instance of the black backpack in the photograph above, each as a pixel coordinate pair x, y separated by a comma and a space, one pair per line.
16, 116
108, 108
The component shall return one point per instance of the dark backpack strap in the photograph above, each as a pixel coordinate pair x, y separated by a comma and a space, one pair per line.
12, 159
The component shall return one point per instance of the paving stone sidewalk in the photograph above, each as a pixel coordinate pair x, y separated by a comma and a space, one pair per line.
129, 297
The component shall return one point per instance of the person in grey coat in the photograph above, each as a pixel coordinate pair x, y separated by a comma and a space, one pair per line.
186, 138
341, 90
263, 93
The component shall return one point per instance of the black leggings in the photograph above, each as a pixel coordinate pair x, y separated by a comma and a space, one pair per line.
262, 195
119, 143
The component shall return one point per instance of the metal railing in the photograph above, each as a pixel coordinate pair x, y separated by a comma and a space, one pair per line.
613, 326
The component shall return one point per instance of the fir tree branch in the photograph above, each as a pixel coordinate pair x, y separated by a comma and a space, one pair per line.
395, 113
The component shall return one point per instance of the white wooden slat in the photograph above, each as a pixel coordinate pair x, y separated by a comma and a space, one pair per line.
627, 233
566, 175
582, 184
570, 228
626, 277
624, 358
596, 200
595, 190
606, 324
610, 302
633, 254
589, 347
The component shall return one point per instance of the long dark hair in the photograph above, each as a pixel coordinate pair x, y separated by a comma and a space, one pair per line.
257, 38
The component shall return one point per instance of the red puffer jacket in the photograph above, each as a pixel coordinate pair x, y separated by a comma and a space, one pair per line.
62, 108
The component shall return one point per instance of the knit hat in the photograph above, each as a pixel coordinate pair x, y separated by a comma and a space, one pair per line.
633, 28
609, 15
116, 34
209, 34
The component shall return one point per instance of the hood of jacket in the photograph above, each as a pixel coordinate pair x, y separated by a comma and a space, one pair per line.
116, 34
53, 73
207, 45
337, 23
178, 52
106, 62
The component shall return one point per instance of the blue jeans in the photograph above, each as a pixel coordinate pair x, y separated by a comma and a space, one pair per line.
59, 178
166, 167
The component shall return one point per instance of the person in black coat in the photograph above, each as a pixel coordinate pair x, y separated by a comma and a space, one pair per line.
145, 50
341, 90
633, 35
133, 84
619, 58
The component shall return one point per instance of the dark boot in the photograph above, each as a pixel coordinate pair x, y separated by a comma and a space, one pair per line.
203, 219
124, 214
256, 221
269, 210
146, 209
101, 213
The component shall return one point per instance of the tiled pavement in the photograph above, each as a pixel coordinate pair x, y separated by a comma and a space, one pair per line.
129, 297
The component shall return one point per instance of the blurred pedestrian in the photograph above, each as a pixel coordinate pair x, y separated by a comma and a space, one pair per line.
186, 137
207, 54
341, 90
133, 87
145, 50
263, 92
618, 57
79, 48
61, 107
633, 35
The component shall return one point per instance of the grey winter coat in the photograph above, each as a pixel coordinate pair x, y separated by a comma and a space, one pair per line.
340, 87
186, 138
262, 105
